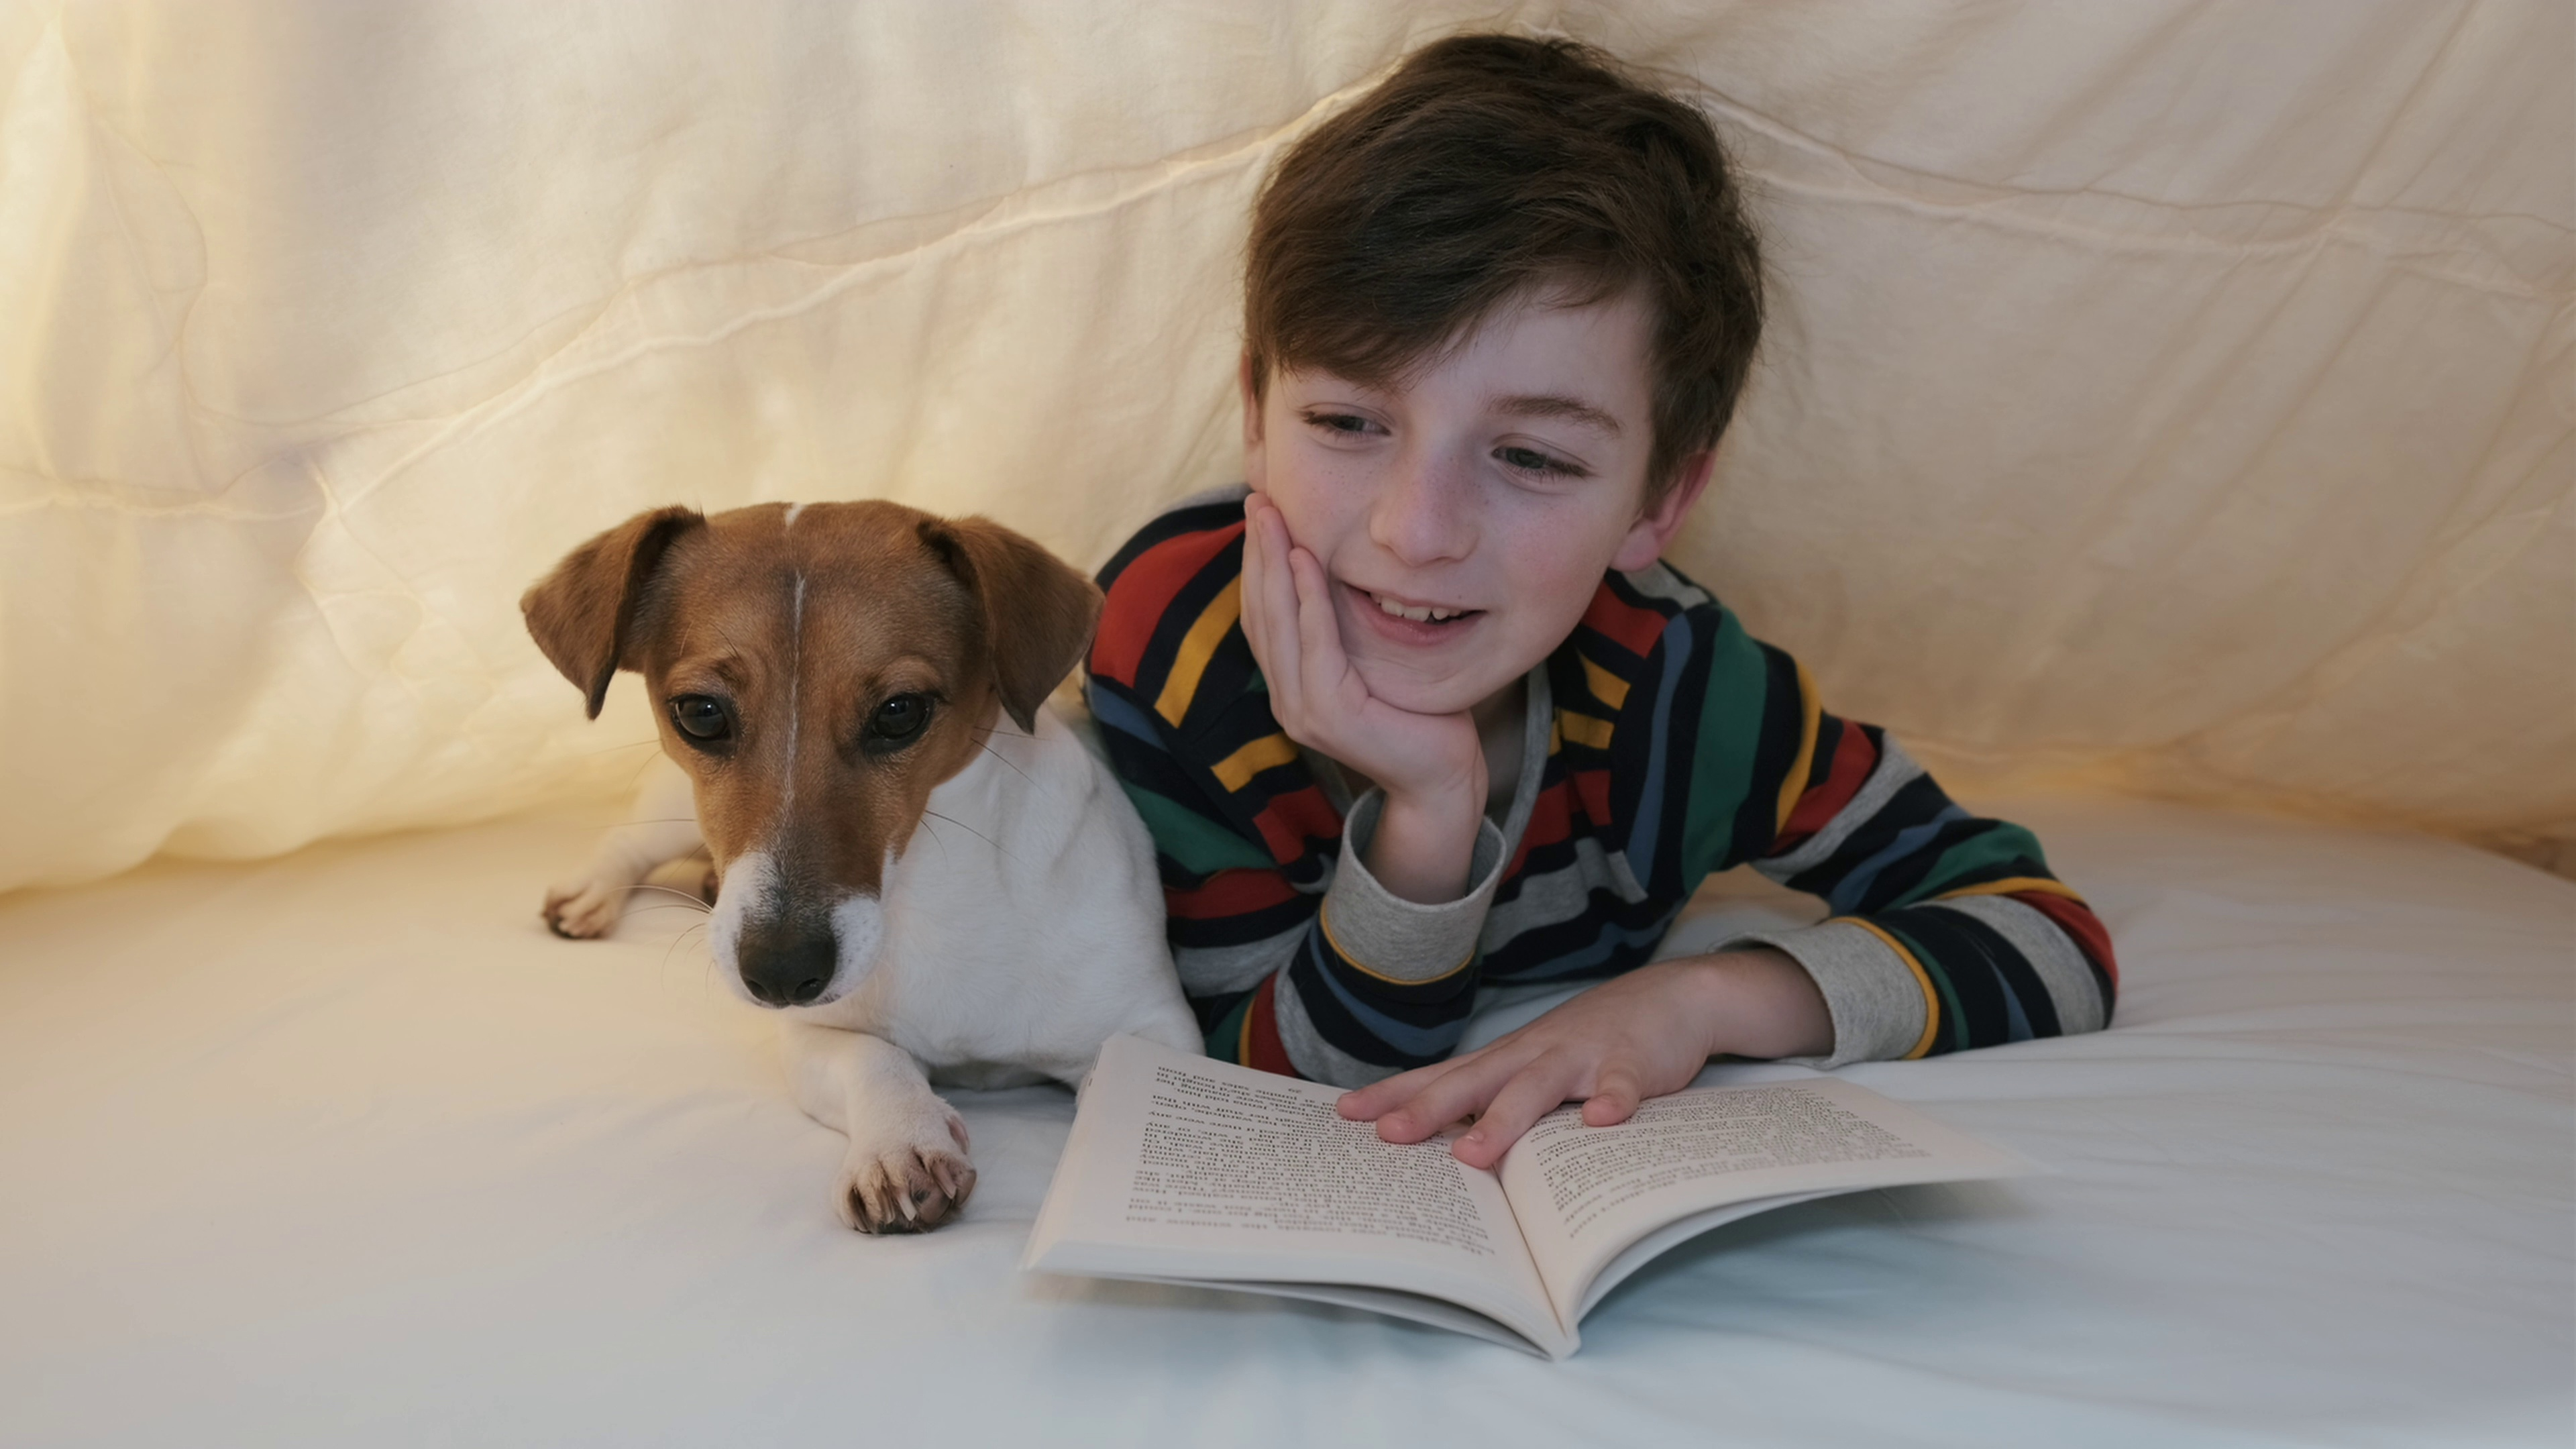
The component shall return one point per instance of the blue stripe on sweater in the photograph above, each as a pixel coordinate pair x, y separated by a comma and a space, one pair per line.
1420, 1041
1612, 937
1121, 716
1848, 892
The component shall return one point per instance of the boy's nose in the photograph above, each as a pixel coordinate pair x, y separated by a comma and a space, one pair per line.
1422, 516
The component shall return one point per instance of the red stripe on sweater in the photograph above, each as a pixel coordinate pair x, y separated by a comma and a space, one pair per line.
1290, 820
1262, 1048
1144, 594
1854, 757
1551, 820
1633, 628
2078, 921
1237, 892
1592, 787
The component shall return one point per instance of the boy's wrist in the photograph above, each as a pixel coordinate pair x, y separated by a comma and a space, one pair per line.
1425, 842
1756, 1001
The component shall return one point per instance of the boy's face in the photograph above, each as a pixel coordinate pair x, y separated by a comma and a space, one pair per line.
1498, 483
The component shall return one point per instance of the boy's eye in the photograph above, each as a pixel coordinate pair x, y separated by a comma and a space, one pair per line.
1531, 460
1350, 423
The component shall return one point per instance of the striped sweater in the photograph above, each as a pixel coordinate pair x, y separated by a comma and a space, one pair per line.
1661, 744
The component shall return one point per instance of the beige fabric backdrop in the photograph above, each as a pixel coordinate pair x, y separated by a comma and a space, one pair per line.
2170, 394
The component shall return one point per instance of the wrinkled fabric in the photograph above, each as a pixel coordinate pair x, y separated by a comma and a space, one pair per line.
2169, 395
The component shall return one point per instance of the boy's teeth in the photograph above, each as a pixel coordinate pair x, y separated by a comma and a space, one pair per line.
1424, 615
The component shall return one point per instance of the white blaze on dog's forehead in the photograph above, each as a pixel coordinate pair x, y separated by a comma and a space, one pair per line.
795, 668
792, 510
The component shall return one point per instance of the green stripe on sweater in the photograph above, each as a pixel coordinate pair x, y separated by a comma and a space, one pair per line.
1980, 855
1200, 845
1730, 728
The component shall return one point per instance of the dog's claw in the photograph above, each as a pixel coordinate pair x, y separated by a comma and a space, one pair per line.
581, 911
910, 1189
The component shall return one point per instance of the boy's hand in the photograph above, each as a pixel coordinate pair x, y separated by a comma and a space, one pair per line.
1635, 1036
1431, 766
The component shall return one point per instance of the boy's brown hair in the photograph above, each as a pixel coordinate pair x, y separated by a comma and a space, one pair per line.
1484, 167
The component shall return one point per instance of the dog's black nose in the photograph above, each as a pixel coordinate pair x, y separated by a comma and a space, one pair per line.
785, 966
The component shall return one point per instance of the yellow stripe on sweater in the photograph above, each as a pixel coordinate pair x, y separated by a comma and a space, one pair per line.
1583, 729
1795, 785
2012, 885
1236, 770
1607, 687
1931, 997
1197, 647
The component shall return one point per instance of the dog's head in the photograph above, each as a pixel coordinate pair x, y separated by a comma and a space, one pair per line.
818, 671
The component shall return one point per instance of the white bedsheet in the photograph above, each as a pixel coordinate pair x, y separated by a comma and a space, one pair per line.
342, 1148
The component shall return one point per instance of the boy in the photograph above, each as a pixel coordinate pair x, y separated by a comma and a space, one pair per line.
1422, 710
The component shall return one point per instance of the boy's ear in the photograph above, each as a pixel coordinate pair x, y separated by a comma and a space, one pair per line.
1654, 529
1038, 612
582, 613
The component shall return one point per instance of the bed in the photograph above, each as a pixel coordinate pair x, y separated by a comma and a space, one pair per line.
2162, 427
344, 1148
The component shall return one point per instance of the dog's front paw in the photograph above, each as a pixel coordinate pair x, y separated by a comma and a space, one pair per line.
905, 1182
583, 909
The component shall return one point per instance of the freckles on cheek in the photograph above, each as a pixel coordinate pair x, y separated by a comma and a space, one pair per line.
1559, 580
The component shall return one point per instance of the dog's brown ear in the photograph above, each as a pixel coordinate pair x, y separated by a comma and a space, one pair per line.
581, 613
1038, 611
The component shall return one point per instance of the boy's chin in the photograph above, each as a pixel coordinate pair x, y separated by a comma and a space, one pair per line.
1408, 691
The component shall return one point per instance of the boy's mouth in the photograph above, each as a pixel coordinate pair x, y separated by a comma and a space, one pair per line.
1415, 612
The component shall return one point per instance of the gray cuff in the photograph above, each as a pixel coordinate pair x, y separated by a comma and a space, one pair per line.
1386, 935
1874, 998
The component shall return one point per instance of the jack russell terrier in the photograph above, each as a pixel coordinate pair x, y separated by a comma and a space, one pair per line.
913, 887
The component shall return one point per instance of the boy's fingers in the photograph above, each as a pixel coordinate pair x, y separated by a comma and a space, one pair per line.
1529, 1095
1365, 1104
1615, 1094
1319, 638
1270, 606
1466, 1088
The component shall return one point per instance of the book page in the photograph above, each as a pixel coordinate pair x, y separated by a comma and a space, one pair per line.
1583, 1194
1392, 1302
1182, 1168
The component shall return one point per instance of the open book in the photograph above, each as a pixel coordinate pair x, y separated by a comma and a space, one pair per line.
1186, 1170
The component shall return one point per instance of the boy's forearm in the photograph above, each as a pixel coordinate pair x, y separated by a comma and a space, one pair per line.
1757, 1002
1425, 844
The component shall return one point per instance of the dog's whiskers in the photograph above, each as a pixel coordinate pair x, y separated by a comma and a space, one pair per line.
695, 900
665, 968
1005, 759
971, 830
629, 745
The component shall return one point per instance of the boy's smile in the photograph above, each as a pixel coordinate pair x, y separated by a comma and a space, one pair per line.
1466, 512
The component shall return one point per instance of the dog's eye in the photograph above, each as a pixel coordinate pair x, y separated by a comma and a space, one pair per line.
701, 717
899, 720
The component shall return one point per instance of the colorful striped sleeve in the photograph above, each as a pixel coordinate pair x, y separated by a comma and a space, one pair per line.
1944, 931
1295, 958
